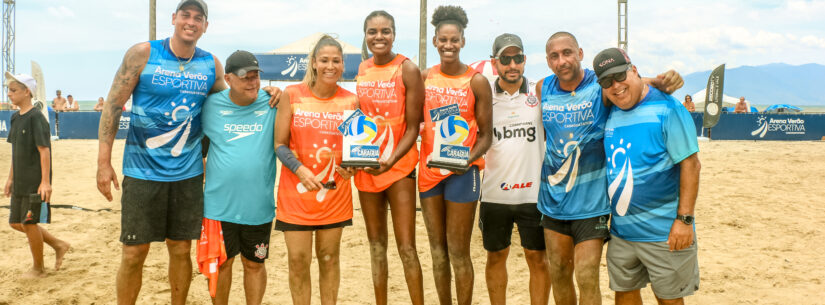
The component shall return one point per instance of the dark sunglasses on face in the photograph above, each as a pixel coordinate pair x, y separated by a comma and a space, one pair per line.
607, 81
505, 60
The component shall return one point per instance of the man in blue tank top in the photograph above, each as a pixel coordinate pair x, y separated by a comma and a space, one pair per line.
162, 196
573, 192
653, 174
240, 173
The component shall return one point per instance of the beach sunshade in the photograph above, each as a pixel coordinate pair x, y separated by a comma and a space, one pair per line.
780, 108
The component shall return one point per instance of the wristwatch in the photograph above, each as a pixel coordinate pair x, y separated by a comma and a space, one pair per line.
687, 219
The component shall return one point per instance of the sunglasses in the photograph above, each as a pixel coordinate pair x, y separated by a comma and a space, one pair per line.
607, 81
505, 60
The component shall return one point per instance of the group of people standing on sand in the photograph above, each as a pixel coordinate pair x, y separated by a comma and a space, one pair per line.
575, 159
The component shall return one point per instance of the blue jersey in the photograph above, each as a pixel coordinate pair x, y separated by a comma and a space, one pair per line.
644, 145
240, 165
163, 142
573, 182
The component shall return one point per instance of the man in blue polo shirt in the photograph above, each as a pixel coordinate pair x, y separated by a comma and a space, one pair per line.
653, 175
240, 173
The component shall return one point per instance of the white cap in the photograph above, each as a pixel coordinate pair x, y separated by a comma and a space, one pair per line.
26, 79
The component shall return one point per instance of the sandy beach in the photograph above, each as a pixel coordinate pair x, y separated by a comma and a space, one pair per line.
760, 225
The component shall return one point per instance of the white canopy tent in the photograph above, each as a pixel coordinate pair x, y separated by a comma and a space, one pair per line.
727, 101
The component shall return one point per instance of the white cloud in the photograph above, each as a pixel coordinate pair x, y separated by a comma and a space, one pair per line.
60, 12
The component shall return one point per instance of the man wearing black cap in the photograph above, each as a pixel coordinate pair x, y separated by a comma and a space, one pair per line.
240, 173
573, 195
162, 198
653, 175
510, 185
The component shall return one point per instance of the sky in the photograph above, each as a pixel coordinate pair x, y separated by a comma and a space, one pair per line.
80, 43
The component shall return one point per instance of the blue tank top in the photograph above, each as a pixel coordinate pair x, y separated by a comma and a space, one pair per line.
644, 146
164, 139
573, 181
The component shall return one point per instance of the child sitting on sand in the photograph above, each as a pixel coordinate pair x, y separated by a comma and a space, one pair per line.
29, 182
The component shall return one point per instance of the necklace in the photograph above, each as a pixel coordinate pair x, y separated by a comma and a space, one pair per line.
180, 64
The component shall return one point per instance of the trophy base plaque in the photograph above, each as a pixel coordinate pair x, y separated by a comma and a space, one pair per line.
357, 163
448, 165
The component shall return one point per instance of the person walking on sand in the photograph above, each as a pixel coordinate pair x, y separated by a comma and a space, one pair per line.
30, 175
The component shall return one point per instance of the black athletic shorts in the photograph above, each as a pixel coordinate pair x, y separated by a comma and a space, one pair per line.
251, 241
579, 229
29, 209
496, 221
285, 226
154, 210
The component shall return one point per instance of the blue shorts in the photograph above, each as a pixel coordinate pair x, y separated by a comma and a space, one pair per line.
458, 188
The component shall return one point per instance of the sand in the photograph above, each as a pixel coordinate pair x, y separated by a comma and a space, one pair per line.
760, 219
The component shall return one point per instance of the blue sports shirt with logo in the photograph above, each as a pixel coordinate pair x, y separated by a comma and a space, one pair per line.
644, 146
164, 138
573, 181
240, 165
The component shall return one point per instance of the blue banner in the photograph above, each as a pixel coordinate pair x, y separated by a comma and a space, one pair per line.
5, 122
84, 125
761, 126
292, 67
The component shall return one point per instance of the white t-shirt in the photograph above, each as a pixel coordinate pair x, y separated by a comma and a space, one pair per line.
513, 163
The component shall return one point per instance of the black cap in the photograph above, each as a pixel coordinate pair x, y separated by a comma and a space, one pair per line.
504, 41
198, 3
241, 62
610, 61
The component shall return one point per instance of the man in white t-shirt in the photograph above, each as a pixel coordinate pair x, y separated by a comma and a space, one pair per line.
509, 189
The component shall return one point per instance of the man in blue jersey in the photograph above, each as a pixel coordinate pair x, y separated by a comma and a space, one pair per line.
162, 197
240, 173
653, 174
573, 191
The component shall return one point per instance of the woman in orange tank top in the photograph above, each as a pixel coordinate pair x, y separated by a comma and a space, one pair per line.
314, 194
390, 91
448, 199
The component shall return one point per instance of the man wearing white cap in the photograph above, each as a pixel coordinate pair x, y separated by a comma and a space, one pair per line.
29, 182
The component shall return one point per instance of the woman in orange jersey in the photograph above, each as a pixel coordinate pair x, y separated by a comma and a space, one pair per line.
390, 90
448, 198
314, 195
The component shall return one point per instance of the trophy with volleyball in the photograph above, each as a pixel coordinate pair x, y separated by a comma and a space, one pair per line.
451, 130
359, 133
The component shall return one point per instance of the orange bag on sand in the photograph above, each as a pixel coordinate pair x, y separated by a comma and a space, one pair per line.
211, 252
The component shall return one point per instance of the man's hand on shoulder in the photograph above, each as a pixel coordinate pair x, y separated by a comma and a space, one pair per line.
668, 82
274, 95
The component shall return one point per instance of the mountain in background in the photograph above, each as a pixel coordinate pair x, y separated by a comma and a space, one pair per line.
767, 84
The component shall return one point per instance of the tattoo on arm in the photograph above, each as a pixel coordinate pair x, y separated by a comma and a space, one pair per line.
122, 86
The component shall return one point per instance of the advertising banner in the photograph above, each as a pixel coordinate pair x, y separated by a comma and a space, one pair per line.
713, 96
292, 67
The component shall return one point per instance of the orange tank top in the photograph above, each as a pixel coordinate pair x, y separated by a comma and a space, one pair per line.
382, 96
442, 90
316, 142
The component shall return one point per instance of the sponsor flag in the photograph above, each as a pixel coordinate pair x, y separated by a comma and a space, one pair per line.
713, 97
